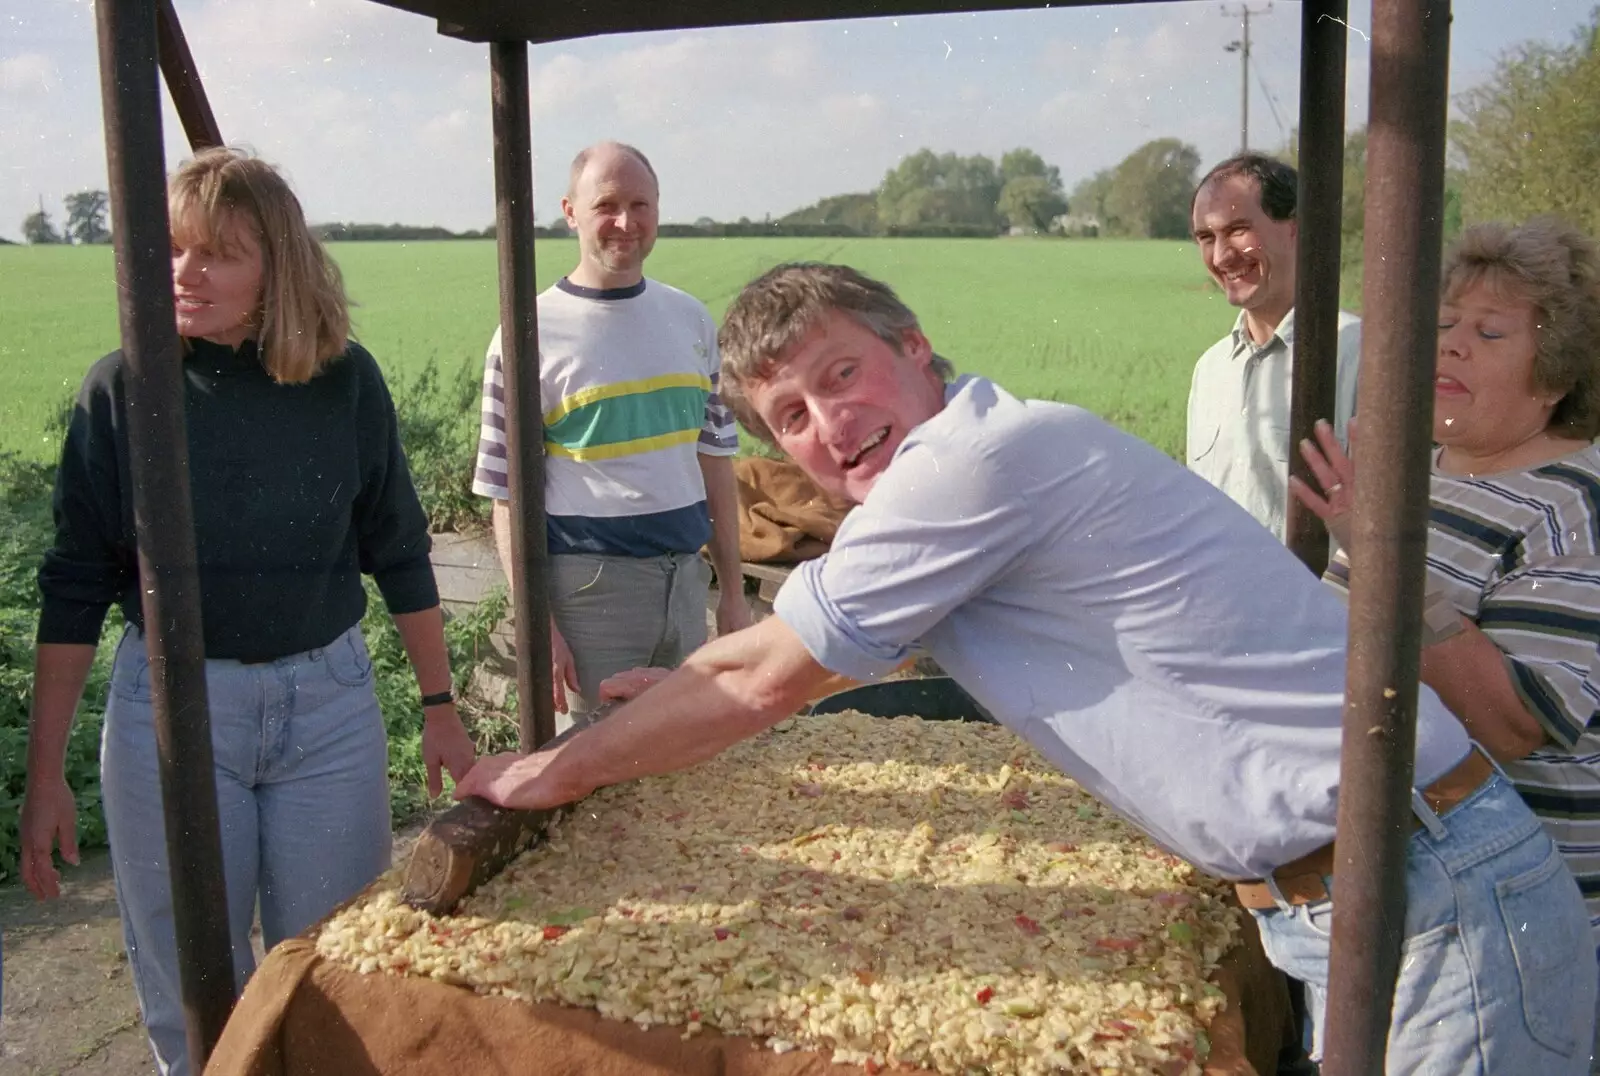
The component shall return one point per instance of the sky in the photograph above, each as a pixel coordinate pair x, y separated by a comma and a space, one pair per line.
375, 117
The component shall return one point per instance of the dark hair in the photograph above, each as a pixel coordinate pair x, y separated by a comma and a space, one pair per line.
1278, 182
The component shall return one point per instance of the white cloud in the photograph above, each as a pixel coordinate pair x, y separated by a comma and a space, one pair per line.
29, 74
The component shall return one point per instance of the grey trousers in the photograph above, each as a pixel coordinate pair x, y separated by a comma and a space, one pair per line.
618, 613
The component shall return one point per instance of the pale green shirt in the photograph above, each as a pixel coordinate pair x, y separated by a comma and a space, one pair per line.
1238, 431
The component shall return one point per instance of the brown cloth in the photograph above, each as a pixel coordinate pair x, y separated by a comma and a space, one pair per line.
305, 1016
783, 517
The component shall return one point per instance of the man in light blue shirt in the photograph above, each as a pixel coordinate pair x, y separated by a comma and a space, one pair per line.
1130, 622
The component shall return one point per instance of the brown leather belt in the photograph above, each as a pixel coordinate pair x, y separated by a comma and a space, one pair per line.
1300, 881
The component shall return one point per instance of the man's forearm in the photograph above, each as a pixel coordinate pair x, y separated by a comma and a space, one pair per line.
500, 521
722, 501
727, 691
59, 673
1468, 673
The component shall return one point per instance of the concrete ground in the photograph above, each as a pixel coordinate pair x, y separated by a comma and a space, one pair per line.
68, 1004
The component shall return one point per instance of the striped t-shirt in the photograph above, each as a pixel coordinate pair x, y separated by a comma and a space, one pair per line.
1519, 554
628, 392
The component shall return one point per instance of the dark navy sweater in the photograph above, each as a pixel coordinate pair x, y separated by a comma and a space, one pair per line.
297, 490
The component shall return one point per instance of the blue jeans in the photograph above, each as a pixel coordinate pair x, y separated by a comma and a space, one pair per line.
301, 763
1497, 969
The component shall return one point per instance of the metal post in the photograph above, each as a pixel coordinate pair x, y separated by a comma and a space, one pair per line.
1405, 196
519, 350
1319, 211
163, 517
183, 80
1242, 47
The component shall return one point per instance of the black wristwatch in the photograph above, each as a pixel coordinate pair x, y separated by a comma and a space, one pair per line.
438, 698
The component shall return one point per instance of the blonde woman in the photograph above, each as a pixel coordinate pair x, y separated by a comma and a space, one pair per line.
299, 487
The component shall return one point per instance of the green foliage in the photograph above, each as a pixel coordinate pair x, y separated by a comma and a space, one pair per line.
1023, 162
439, 429
941, 189
38, 228
1530, 139
25, 533
1030, 203
1089, 198
1150, 191
856, 212
86, 217
467, 638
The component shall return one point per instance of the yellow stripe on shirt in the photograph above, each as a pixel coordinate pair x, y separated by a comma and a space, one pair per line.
584, 397
636, 447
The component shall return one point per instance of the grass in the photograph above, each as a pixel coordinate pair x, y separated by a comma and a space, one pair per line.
1114, 326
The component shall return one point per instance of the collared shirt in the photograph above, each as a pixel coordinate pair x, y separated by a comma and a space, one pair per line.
1120, 614
1238, 437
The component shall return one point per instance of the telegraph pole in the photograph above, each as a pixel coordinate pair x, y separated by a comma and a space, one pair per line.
1242, 47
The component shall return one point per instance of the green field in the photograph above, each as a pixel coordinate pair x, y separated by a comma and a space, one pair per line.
1114, 326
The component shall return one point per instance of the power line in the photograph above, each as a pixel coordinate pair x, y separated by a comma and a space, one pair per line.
1272, 104
1242, 46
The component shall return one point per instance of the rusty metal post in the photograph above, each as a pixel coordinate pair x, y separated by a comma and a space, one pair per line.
1318, 208
183, 80
163, 515
519, 352
1405, 198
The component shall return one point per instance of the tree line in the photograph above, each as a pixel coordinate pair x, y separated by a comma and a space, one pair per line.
87, 221
1527, 142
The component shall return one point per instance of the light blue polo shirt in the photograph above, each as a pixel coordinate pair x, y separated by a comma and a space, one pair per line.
1124, 616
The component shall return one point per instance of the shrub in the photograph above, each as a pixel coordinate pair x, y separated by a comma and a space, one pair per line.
439, 428
25, 532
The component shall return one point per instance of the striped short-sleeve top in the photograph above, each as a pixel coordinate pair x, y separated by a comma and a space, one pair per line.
1519, 554
628, 392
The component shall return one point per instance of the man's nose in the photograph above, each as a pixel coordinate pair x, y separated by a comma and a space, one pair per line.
834, 422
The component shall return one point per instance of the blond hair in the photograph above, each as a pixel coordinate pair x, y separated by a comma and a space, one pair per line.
1550, 264
775, 311
304, 320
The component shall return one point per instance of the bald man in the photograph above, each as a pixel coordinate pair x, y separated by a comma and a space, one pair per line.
638, 445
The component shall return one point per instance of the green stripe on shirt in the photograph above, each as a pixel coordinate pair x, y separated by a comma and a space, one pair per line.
651, 418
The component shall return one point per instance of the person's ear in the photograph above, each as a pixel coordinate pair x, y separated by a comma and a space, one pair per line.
915, 346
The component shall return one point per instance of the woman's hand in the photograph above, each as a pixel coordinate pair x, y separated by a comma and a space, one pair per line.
1335, 473
445, 744
49, 815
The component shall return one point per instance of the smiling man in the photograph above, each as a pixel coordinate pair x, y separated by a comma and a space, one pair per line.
1238, 429
1143, 634
638, 445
